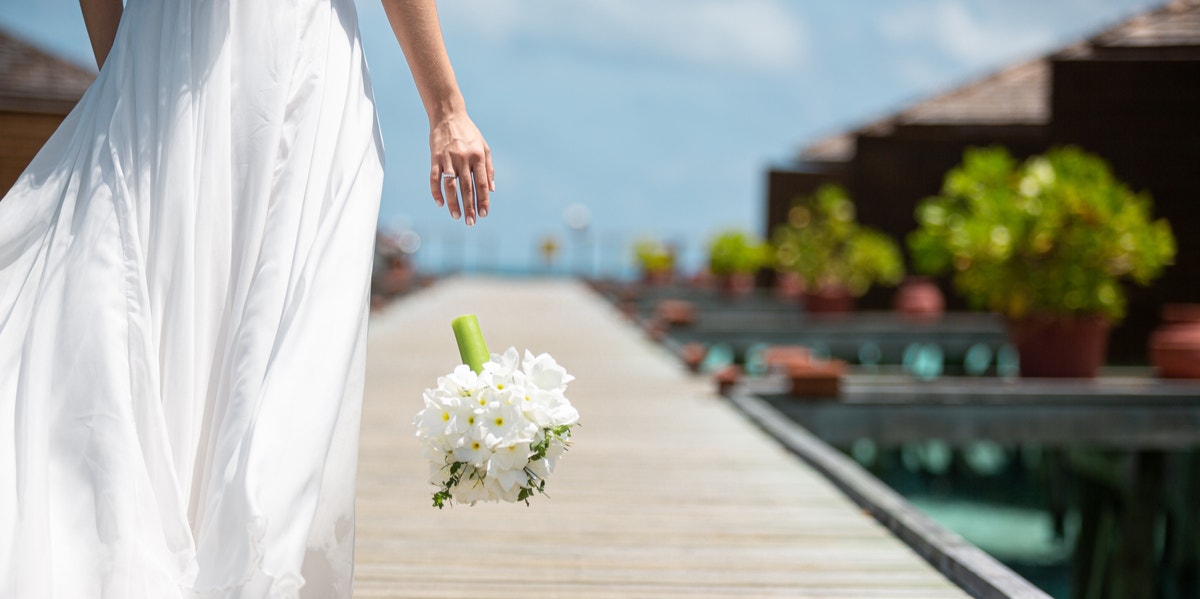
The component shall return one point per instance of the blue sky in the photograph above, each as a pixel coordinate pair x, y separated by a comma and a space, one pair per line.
659, 116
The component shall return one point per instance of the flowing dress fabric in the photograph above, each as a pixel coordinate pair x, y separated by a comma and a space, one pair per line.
183, 299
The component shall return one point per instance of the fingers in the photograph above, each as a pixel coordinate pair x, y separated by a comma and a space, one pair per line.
468, 193
470, 180
491, 172
449, 188
461, 169
435, 185
482, 187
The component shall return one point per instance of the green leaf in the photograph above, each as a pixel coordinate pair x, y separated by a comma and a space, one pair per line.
1052, 235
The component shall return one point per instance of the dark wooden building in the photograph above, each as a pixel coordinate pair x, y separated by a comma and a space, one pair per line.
1130, 94
37, 90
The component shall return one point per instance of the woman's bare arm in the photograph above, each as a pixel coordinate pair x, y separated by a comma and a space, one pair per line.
455, 144
101, 18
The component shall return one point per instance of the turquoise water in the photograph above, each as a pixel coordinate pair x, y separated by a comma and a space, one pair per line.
1022, 538
1078, 522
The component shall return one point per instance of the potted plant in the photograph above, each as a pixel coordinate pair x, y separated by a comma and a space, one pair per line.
919, 298
1045, 242
733, 259
1175, 346
655, 260
836, 258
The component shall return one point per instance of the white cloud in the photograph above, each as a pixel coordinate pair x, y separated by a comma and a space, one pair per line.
749, 34
965, 37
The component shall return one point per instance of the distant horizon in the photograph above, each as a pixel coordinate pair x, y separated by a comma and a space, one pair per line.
661, 116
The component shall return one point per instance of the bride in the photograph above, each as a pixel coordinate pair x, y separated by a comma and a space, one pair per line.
183, 300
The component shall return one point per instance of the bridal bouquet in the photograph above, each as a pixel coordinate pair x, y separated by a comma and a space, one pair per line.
494, 428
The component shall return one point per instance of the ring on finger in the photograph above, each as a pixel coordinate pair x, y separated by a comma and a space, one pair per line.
449, 176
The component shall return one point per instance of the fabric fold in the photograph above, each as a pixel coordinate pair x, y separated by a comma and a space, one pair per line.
184, 274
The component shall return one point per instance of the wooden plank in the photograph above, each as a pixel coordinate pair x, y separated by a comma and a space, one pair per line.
964, 563
668, 491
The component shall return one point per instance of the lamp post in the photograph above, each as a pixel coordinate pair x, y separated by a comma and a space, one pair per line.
578, 218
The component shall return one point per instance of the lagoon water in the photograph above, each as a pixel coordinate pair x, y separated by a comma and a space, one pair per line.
1060, 517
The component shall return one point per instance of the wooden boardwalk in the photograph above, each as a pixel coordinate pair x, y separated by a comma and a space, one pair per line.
667, 492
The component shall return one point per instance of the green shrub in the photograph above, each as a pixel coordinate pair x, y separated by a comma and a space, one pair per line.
653, 256
826, 246
1050, 236
736, 252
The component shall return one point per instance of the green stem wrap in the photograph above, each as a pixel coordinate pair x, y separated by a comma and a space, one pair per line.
471, 347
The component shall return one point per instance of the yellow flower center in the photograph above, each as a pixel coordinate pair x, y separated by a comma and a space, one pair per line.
500, 421
445, 416
500, 386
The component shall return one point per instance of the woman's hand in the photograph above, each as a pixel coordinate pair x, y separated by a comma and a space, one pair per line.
461, 163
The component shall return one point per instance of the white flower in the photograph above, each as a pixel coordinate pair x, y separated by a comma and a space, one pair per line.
540, 468
508, 478
510, 457
545, 373
480, 431
474, 430
501, 369
555, 449
505, 425
497, 491
462, 382
535, 404
482, 399
474, 452
437, 449
561, 411
443, 415
472, 490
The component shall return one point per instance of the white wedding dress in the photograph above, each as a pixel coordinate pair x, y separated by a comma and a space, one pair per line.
183, 302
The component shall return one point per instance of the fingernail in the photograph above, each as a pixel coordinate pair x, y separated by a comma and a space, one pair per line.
482, 212
470, 221
454, 215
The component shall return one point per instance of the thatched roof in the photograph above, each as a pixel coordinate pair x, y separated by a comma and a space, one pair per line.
33, 81
1020, 94
1016, 95
1175, 24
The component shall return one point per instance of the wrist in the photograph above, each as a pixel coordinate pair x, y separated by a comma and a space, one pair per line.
445, 109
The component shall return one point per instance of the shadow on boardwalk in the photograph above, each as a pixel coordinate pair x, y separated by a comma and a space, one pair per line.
668, 491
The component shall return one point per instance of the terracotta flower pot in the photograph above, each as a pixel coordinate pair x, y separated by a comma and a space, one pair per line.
676, 312
816, 379
727, 377
736, 284
693, 355
788, 284
1060, 346
1180, 313
920, 298
1175, 346
829, 300
779, 358
657, 278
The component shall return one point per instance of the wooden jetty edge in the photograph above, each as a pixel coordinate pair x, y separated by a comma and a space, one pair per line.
968, 566
668, 492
